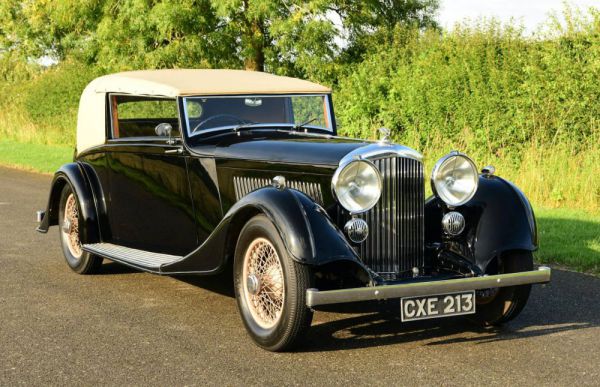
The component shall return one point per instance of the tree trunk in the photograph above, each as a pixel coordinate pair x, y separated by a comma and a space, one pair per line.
255, 61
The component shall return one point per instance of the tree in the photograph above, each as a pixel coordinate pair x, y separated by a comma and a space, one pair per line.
303, 38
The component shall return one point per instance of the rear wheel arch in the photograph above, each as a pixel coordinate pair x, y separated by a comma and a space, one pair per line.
54, 200
72, 174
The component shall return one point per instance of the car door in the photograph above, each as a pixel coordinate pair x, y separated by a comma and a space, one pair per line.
150, 206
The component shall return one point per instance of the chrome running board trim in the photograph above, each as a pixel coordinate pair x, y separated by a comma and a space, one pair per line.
315, 297
141, 259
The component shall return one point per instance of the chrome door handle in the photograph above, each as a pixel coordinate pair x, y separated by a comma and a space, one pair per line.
177, 151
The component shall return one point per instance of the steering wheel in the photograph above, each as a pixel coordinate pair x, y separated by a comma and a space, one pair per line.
221, 117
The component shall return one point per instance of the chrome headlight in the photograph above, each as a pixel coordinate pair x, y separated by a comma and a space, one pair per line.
454, 179
357, 186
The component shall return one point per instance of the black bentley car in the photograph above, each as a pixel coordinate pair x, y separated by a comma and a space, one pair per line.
197, 171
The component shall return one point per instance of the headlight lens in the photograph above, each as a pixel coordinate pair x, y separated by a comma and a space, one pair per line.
454, 179
357, 186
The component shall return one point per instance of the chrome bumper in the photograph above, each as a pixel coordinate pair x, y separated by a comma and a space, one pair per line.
315, 297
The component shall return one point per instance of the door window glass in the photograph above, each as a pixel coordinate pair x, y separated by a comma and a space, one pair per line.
140, 116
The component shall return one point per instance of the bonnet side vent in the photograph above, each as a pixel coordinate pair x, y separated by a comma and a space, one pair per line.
244, 185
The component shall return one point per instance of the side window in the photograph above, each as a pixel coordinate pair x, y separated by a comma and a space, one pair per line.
140, 116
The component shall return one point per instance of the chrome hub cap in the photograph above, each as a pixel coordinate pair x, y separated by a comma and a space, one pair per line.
263, 286
253, 284
70, 227
66, 226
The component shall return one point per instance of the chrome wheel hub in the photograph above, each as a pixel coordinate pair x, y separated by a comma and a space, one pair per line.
264, 288
66, 226
253, 284
70, 227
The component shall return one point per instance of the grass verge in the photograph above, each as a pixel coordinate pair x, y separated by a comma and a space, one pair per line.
34, 157
567, 237
570, 238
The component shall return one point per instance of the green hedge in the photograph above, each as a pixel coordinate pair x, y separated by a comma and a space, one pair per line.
529, 106
44, 108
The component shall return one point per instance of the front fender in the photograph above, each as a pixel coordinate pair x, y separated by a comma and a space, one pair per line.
309, 235
74, 175
499, 218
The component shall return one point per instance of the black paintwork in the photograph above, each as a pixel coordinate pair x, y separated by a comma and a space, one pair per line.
74, 175
285, 148
498, 219
151, 187
308, 233
134, 193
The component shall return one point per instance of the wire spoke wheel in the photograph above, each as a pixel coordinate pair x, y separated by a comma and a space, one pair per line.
70, 226
263, 283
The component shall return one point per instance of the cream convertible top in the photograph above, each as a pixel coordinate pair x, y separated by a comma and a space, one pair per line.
91, 121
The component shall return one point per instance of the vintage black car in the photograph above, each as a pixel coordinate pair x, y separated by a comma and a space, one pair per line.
197, 171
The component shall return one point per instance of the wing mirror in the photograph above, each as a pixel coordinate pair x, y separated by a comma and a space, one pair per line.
165, 129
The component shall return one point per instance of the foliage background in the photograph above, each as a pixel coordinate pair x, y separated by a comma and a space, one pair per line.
527, 104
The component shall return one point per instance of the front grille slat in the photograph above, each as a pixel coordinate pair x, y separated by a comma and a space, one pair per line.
395, 244
244, 185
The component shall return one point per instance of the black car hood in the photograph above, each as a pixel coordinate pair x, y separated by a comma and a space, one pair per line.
286, 148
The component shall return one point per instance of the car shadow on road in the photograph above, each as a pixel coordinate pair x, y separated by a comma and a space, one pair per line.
112, 268
567, 304
220, 283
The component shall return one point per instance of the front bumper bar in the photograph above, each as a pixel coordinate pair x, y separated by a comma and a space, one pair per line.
315, 297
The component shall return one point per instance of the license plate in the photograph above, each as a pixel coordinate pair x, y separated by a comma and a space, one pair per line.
441, 305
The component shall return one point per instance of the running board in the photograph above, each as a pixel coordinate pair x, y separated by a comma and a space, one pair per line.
140, 259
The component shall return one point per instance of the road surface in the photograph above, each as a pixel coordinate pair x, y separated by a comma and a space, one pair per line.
127, 327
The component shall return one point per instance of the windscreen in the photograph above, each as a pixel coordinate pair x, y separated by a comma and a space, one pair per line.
207, 114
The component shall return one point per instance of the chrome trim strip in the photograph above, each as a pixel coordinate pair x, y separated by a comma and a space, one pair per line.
380, 150
315, 297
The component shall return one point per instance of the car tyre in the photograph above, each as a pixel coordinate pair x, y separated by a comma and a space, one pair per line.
506, 303
70, 229
270, 287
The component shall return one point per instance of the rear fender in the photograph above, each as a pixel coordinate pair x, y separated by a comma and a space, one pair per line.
74, 175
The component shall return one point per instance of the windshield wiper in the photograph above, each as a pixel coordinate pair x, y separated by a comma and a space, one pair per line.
250, 125
245, 126
303, 124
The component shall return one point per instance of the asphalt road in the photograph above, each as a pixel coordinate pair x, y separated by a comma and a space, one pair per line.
127, 327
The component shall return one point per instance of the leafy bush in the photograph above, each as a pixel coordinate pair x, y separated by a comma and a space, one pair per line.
530, 106
44, 108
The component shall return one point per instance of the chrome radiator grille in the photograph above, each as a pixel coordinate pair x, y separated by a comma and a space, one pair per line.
396, 224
